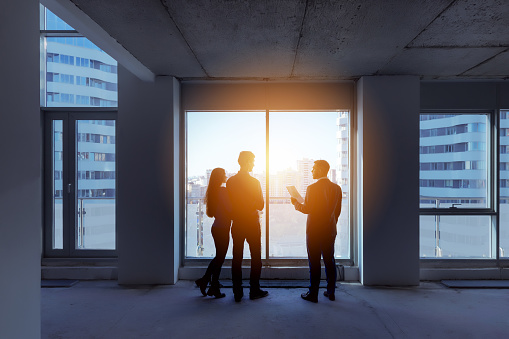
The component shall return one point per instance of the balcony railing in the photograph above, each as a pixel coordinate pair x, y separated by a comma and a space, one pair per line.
94, 223
287, 232
457, 228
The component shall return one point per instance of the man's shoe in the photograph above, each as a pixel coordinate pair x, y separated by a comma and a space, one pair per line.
309, 297
257, 294
238, 296
215, 291
331, 296
202, 284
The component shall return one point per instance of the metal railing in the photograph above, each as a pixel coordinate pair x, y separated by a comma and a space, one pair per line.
98, 213
197, 223
438, 208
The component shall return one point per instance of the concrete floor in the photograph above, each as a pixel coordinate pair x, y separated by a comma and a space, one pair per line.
102, 309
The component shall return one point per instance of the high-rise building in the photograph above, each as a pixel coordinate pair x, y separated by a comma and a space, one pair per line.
207, 178
305, 177
454, 173
341, 176
76, 73
342, 168
280, 180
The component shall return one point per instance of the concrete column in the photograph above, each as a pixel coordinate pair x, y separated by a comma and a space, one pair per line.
388, 164
20, 171
147, 197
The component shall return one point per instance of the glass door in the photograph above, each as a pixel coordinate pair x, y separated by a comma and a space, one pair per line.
80, 184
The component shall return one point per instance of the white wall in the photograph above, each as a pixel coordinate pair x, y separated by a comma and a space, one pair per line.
146, 230
20, 171
388, 160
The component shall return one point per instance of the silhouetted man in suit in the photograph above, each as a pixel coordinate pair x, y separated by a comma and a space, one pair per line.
247, 199
322, 204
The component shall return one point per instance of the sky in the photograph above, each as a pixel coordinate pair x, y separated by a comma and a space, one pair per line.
214, 139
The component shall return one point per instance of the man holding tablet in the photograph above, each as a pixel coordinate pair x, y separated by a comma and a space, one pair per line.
322, 204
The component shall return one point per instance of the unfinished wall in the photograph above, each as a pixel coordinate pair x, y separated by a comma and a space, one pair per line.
388, 167
20, 171
146, 231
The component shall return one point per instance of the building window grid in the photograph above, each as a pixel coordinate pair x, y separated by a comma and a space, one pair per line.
81, 62
52, 23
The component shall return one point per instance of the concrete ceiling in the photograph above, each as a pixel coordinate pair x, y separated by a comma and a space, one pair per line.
310, 39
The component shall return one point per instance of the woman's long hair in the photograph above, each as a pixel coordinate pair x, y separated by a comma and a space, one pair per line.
211, 196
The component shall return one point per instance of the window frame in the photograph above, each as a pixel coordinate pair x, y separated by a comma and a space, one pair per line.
270, 261
69, 116
501, 261
493, 195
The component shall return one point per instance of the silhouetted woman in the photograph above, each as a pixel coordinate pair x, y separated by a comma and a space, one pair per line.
219, 208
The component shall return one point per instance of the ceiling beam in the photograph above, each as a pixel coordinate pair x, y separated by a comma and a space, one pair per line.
70, 13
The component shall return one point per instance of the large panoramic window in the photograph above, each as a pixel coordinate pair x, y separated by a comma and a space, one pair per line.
74, 71
456, 188
294, 140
